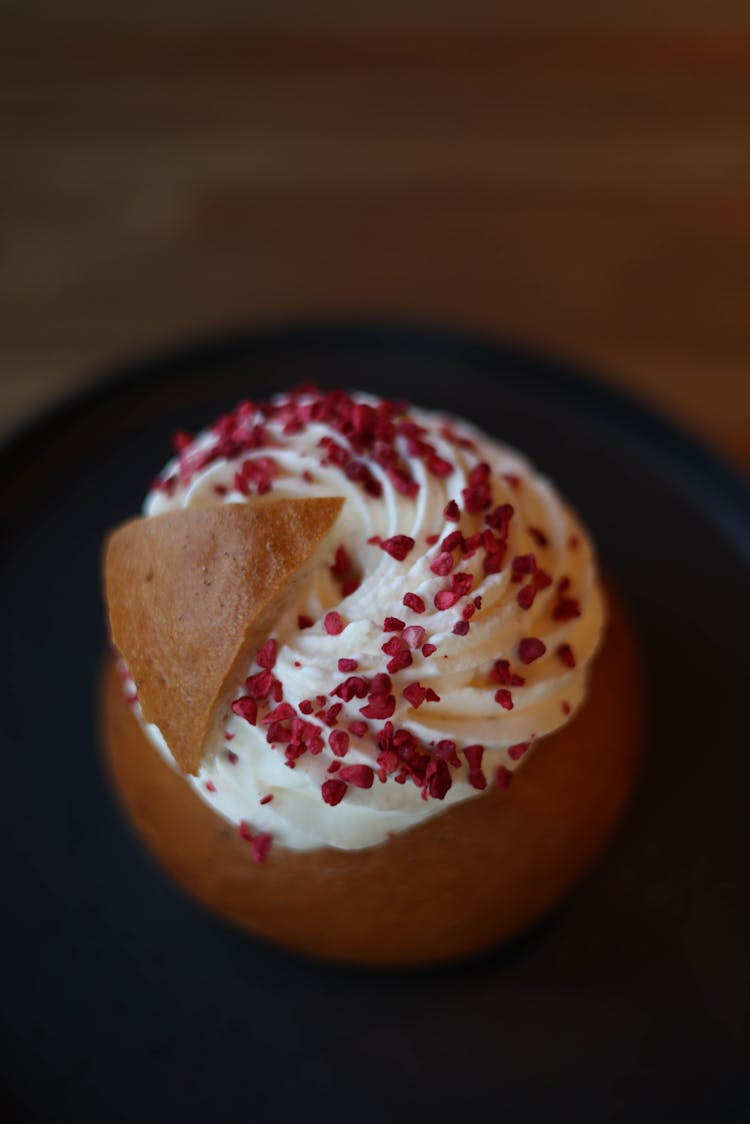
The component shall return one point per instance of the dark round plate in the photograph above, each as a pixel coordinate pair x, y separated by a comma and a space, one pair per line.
121, 1001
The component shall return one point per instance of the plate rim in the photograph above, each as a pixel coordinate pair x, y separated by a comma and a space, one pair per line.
722, 486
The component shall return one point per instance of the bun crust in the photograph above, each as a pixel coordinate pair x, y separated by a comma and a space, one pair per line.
473, 875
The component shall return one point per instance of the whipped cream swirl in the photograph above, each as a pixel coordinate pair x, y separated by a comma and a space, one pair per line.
492, 667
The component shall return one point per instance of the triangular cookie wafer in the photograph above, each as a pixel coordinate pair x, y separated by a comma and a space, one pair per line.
193, 593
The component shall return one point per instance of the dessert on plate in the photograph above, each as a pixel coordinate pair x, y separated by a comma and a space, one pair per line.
368, 696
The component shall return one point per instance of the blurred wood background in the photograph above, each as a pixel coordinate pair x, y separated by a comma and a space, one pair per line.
574, 175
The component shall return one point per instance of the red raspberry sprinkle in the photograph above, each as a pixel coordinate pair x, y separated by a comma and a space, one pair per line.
267, 798
499, 518
344, 665
438, 779
526, 596
398, 546
451, 512
359, 729
446, 750
530, 649
232, 757
259, 686
566, 708
476, 498
431, 539
246, 708
355, 686
415, 694
428, 650
413, 635
516, 752
393, 624
504, 697
244, 829
442, 564
563, 585
473, 755
479, 474
261, 845
210, 786
564, 653
432, 696
414, 602
181, 440
462, 583
460, 628
280, 713
361, 776
380, 685
446, 599
439, 466
501, 673
522, 564
566, 609
451, 541
332, 623
401, 660
339, 742
393, 646
379, 708
229, 737
513, 480
330, 716
333, 791
503, 777
306, 707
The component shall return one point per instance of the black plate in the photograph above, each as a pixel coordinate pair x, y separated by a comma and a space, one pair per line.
123, 1002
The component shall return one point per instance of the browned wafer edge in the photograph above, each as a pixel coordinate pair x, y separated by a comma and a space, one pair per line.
191, 595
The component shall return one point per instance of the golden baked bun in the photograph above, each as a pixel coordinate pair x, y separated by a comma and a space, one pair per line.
474, 875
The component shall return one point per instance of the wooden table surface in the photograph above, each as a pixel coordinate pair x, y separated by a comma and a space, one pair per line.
573, 175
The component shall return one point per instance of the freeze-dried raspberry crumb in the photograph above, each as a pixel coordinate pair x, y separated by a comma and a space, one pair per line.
361, 776
246, 708
414, 602
267, 655
333, 791
339, 742
398, 546
261, 845
565, 654
531, 648
332, 623
504, 698
413, 635
446, 599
